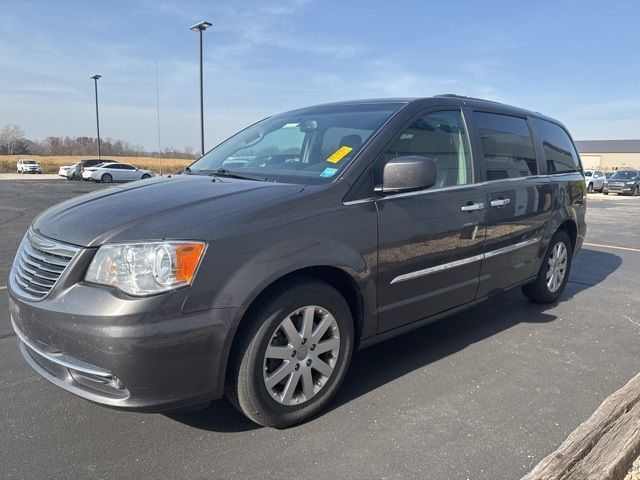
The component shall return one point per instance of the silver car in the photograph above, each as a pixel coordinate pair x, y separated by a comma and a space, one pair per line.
119, 172
594, 180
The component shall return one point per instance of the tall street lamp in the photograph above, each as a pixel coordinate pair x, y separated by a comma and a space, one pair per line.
95, 80
201, 27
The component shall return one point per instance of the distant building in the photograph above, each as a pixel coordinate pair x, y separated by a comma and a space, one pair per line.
609, 155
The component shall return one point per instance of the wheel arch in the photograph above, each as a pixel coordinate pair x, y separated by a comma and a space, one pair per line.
570, 227
338, 278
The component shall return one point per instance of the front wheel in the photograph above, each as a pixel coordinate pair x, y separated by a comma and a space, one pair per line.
292, 353
636, 192
145, 176
590, 188
554, 271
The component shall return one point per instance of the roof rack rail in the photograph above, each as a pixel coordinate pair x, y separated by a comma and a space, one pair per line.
453, 95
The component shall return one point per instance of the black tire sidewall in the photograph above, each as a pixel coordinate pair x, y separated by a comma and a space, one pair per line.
538, 291
252, 394
106, 175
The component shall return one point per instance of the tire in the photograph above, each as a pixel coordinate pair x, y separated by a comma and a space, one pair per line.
636, 191
106, 178
145, 176
276, 405
605, 193
590, 188
540, 290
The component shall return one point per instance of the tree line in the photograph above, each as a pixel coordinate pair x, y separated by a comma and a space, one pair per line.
14, 142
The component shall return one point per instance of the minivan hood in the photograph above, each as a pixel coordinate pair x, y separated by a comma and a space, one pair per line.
158, 208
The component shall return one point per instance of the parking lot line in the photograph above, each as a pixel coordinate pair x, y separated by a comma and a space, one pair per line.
3, 287
614, 247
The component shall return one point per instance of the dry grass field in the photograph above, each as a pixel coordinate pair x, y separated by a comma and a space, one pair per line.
53, 163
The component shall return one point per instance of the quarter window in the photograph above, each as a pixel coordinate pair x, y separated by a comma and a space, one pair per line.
559, 152
507, 145
441, 136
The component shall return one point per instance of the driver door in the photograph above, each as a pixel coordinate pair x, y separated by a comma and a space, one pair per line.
430, 242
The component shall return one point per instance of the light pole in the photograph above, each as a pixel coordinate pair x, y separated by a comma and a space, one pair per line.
201, 27
95, 81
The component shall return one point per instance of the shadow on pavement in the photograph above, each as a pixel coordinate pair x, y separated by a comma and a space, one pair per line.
383, 363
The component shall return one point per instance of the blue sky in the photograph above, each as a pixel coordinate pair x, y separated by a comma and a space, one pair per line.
578, 61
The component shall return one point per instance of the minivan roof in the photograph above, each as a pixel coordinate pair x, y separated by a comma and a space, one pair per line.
450, 99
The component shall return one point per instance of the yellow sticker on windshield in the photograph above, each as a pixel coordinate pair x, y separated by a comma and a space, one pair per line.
339, 154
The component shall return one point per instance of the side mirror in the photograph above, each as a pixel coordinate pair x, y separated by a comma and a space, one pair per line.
407, 174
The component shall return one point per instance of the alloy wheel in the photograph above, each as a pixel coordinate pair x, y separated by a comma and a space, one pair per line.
301, 355
557, 267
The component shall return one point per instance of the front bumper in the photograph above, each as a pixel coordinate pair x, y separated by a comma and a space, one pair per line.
123, 352
624, 189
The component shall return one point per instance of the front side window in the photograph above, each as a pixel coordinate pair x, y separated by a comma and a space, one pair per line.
507, 145
308, 146
559, 152
443, 137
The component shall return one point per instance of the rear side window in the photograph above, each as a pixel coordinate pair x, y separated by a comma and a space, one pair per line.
559, 153
507, 145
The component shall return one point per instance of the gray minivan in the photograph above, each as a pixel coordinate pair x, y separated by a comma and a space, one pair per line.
261, 268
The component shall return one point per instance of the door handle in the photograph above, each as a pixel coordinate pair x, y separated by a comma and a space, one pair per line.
500, 202
472, 206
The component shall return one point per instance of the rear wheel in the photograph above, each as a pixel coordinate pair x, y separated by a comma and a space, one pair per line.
554, 271
106, 178
292, 354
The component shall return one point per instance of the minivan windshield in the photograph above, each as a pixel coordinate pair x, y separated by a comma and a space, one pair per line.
624, 175
309, 146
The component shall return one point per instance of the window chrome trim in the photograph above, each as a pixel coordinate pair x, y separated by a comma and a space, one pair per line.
464, 261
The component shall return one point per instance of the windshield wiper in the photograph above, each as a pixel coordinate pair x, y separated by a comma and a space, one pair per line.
223, 172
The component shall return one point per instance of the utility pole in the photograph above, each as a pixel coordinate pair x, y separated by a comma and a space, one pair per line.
201, 27
95, 80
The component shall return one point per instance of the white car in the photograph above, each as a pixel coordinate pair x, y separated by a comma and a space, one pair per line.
594, 180
87, 172
28, 166
62, 171
119, 172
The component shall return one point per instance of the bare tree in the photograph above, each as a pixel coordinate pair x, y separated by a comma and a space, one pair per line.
11, 136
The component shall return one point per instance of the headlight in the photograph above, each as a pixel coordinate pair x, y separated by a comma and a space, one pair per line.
631, 183
145, 268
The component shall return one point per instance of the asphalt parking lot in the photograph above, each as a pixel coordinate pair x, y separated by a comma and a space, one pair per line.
484, 394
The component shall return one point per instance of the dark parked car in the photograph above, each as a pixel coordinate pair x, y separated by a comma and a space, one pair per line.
342, 225
623, 182
76, 174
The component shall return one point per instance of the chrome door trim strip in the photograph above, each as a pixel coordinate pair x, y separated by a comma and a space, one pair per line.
511, 248
437, 268
464, 261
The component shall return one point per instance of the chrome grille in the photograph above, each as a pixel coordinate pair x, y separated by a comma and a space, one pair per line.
38, 265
